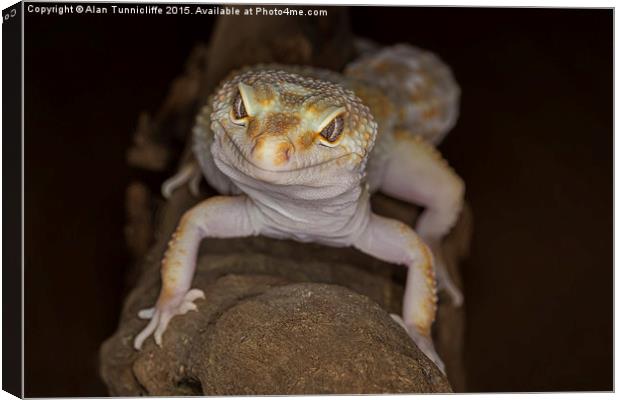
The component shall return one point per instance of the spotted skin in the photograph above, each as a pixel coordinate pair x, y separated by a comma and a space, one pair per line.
299, 160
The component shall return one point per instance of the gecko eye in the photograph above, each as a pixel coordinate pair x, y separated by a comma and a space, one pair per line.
333, 130
239, 111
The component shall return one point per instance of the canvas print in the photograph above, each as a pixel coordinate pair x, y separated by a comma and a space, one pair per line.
226, 199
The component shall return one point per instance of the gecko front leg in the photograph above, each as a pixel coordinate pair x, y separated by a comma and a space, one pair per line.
394, 241
219, 216
417, 173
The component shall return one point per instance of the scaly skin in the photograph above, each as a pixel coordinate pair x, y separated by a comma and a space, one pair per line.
267, 142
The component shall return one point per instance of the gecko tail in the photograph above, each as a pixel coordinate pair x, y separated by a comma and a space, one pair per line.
421, 85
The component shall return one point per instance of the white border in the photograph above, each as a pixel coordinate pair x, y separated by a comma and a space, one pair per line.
495, 3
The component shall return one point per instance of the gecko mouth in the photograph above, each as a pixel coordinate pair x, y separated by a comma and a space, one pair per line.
228, 142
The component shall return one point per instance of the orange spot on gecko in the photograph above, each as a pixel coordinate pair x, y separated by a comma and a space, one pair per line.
292, 100
253, 128
277, 124
424, 328
263, 94
283, 153
380, 105
430, 113
306, 140
257, 149
312, 109
402, 134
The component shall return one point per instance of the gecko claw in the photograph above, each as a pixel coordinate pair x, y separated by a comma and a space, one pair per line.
161, 314
424, 343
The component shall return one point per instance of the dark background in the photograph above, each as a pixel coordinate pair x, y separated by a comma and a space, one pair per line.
533, 143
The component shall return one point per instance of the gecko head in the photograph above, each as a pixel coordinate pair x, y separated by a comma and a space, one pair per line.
271, 124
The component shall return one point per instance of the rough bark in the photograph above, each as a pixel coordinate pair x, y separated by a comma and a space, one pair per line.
280, 317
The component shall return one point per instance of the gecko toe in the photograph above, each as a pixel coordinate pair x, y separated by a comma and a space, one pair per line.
194, 294
424, 343
161, 327
194, 185
146, 332
187, 306
185, 174
147, 313
399, 321
456, 295
161, 315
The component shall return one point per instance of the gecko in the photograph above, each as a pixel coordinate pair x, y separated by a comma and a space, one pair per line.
296, 152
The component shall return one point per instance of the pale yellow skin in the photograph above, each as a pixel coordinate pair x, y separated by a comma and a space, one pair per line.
283, 179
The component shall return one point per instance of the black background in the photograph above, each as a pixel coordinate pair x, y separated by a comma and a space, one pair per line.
533, 143
11, 201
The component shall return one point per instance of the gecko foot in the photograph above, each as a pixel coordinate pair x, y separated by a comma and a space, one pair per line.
161, 314
423, 342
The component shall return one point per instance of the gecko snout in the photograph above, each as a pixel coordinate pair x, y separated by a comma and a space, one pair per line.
272, 153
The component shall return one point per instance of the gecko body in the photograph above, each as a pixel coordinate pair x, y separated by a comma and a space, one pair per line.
296, 153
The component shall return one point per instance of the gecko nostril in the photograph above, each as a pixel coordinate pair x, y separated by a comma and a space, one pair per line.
284, 153
288, 150
270, 152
